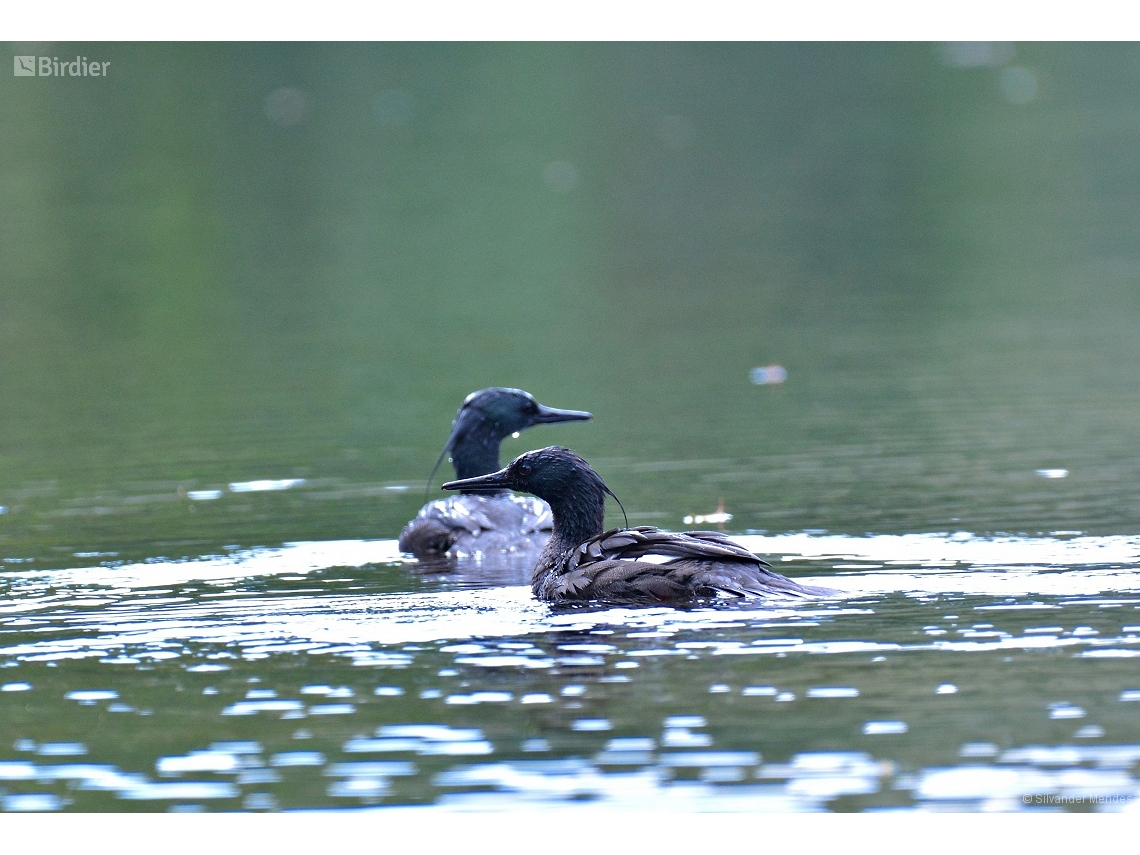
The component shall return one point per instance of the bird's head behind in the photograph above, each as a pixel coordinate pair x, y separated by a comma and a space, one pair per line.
489, 416
499, 412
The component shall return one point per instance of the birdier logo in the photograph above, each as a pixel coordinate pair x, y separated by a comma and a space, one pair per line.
50, 66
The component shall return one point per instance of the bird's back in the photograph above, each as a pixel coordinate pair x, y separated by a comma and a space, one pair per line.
469, 523
696, 565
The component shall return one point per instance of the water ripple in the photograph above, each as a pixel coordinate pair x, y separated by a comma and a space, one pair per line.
476, 696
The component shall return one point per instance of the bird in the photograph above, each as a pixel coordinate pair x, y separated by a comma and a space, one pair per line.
581, 562
485, 522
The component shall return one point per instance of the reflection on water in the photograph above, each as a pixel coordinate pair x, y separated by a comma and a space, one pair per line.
309, 676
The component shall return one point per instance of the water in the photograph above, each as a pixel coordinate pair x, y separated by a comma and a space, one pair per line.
953, 672
244, 288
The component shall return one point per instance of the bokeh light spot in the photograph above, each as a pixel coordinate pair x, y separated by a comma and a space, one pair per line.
676, 132
1018, 85
286, 107
394, 108
975, 54
560, 176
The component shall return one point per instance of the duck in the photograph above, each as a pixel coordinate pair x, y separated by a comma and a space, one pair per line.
581, 562
485, 521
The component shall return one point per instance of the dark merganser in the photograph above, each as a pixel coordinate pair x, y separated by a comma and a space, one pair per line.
495, 521
583, 562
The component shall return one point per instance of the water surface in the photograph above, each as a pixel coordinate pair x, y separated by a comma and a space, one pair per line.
331, 674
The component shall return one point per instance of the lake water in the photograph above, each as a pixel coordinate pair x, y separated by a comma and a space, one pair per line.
244, 288
953, 672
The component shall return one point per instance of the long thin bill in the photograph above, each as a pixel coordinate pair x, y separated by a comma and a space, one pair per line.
550, 415
494, 481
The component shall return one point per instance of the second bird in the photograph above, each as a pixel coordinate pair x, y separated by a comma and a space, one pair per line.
496, 521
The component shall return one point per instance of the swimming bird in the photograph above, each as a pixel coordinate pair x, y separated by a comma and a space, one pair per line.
583, 562
485, 521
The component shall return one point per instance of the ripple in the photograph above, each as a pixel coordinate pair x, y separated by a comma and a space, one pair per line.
127, 622
624, 707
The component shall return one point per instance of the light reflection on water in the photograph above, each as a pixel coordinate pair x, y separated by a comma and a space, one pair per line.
903, 692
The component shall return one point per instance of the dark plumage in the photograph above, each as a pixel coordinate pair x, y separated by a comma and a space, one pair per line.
581, 562
494, 521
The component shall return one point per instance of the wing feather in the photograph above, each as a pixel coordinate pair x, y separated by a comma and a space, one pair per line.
700, 564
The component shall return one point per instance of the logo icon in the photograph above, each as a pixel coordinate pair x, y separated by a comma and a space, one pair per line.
25, 66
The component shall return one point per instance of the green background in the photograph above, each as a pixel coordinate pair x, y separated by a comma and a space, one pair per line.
204, 280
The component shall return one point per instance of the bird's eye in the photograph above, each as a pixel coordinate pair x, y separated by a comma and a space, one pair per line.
525, 468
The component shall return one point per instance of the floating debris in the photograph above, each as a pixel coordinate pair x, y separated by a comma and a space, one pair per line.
883, 728
717, 517
264, 486
768, 375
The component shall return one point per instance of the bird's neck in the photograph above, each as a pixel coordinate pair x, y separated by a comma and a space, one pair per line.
578, 516
579, 512
474, 455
